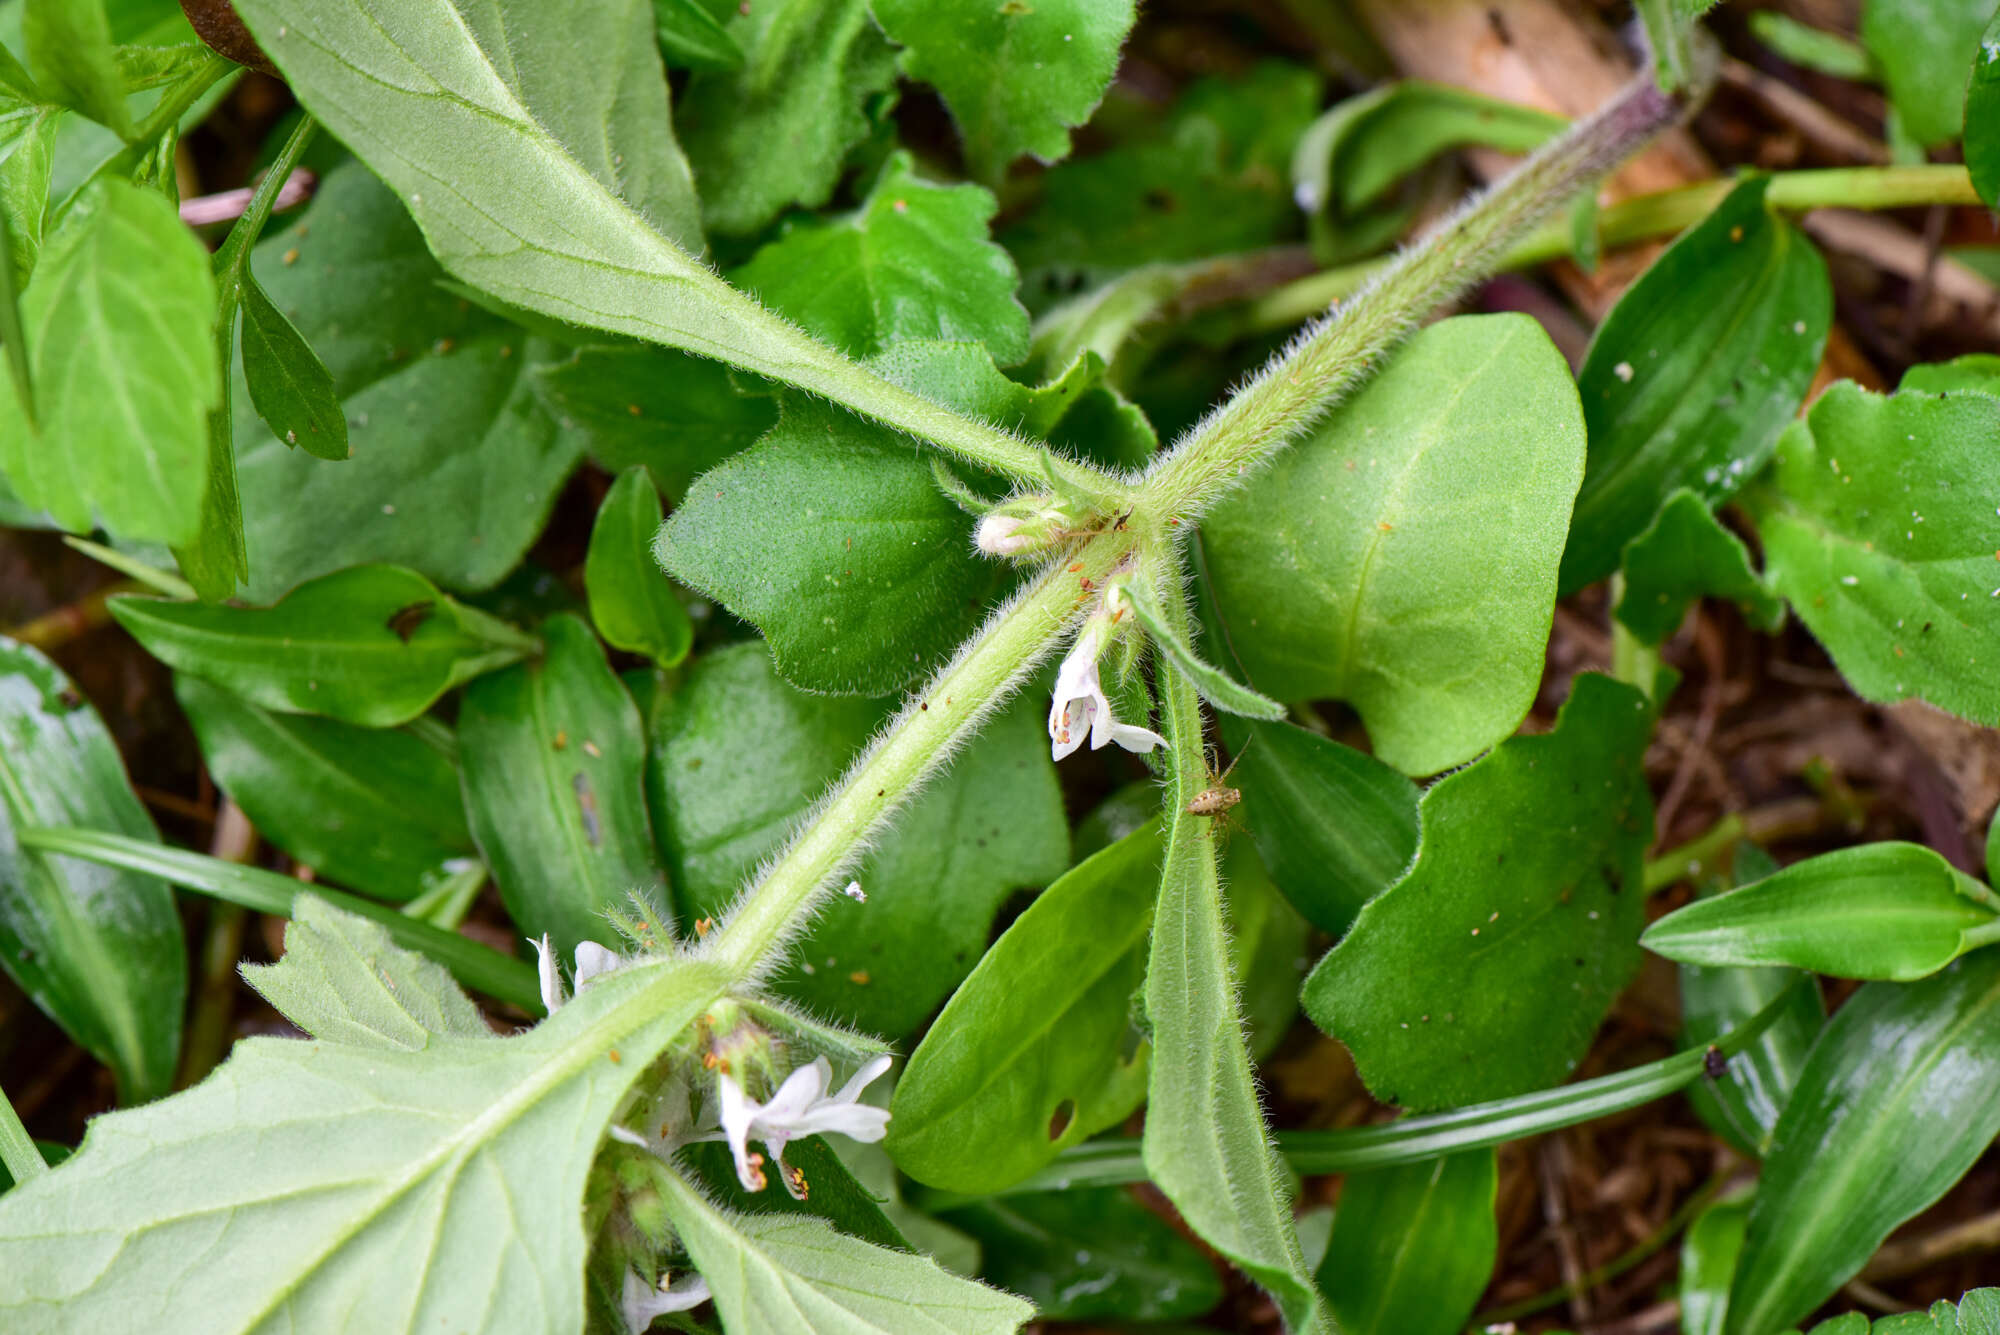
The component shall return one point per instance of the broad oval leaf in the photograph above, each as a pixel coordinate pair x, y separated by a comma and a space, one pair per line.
1040, 1038
1924, 49
738, 758
1486, 969
1876, 529
1686, 555
1900, 1095
793, 1272
372, 808
631, 602
1889, 910
97, 948
1403, 558
120, 432
1083, 1255
1694, 373
1413, 1247
1015, 77
383, 1187
913, 262
553, 754
373, 645
1335, 826
1743, 1104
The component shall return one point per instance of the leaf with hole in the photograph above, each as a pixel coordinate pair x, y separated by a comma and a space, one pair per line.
99, 949
373, 645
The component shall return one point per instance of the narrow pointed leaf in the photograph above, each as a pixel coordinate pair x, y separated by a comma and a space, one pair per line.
631, 602
289, 385
1216, 686
1413, 1247
373, 645
1708, 1262
97, 948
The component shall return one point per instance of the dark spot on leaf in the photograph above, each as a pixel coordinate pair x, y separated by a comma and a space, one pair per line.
586, 802
1713, 1064
69, 699
1161, 201
1614, 878
405, 620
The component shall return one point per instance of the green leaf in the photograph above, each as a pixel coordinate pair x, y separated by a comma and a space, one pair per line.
481, 967
1814, 48
385, 1187
630, 600
1872, 533
776, 132
373, 645
1335, 826
1486, 969
1412, 1247
1216, 686
1888, 910
738, 758
1743, 1106
1268, 946
1091, 1255
831, 537
1403, 557
1205, 1145
99, 950
1015, 77
1206, 179
1982, 117
1708, 1261
832, 1192
121, 402
912, 262
1040, 1038
371, 808
290, 387
1894, 1105
456, 460
1687, 555
554, 756
69, 44
1975, 371
1695, 371
789, 1272
342, 980
691, 38
677, 415
1925, 48
27, 139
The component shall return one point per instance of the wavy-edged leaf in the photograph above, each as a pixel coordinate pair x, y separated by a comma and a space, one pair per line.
1403, 558
1015, 77
373, 645
553, 755
98, 948
1487, 968
1887, 910
1694, 373
372, 808
1684, 556
377, 1187
631, 603
1898, 1098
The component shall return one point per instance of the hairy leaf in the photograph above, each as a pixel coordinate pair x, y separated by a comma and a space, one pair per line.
372, 808
1485, 970
98, 949
554, 756
1876, 530
1403, 557
373, 645
1015, 77
1684, 556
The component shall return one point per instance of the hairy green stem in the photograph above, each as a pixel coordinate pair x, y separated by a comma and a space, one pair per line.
1338, 354
1643, 218
18, 1150
940, 717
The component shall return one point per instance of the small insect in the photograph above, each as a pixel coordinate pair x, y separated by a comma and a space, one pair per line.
1713, 1064
405, 620
1218, 797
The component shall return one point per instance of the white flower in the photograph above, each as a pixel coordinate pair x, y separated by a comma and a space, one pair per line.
800, 1108
854, 892
1000, 535
1080, 704
592, 961
643, 1302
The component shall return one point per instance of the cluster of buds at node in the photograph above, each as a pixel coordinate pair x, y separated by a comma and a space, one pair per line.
1028, 526
1080, 708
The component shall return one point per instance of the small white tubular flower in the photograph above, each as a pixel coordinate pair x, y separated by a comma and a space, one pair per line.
1000, 535
800, 1108
642, 1302
1080, 705
593, 960
548, 968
